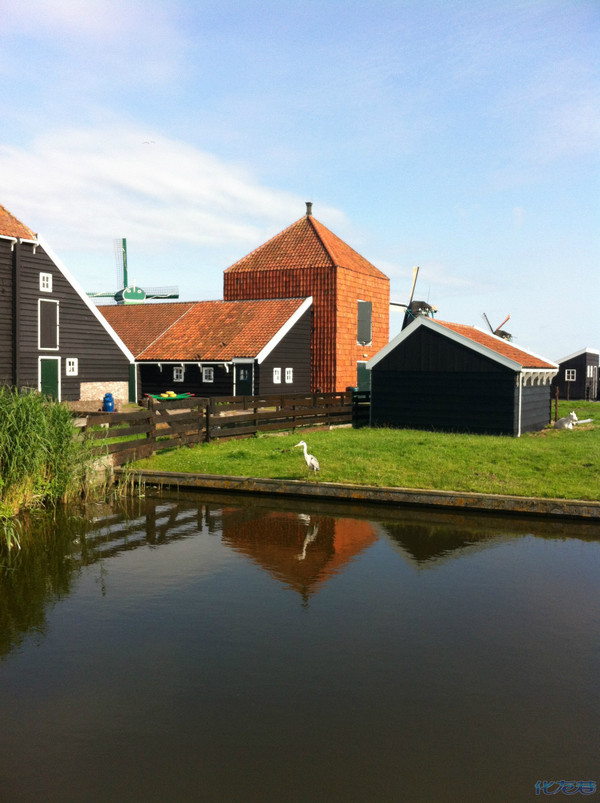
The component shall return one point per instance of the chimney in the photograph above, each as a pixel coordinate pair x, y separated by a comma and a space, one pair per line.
308, 208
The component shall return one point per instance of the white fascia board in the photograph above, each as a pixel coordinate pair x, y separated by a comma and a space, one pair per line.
291, 321
457, 338
20, 239
81, 292
578, 354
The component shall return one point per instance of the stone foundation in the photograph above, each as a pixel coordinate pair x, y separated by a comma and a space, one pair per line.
91, 394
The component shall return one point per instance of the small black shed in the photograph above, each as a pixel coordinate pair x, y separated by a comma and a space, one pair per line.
444, 376
577, 376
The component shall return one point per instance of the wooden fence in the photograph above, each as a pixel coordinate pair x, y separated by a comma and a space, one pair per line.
166, 424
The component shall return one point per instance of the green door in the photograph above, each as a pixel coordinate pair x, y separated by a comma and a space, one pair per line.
243, 380
49, 377
363, 377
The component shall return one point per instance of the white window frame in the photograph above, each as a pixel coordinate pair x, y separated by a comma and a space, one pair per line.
289, 375
277, 376
45, 282
178, 373
72, 366
208, 373
570, 374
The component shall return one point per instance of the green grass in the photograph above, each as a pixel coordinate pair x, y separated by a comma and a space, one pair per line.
551, 463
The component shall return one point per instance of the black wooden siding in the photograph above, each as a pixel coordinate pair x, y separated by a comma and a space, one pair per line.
293, 351
153, 380
583, 387
81, 335
432, 382
6, 314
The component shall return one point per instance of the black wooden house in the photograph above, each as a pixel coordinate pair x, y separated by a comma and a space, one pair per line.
443, 376
577, 376
52, 338
218, 348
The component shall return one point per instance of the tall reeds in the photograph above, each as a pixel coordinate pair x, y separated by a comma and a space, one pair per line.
41, 459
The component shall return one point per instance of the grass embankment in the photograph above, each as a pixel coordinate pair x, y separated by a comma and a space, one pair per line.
41, 460
551, 463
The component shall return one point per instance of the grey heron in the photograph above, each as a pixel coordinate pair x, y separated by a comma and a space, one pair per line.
311, 461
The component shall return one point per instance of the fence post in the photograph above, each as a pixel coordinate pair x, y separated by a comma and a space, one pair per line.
208, 405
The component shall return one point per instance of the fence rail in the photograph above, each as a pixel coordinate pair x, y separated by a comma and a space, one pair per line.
166, 424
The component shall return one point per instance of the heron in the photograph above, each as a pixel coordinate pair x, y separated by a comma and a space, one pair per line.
310, 460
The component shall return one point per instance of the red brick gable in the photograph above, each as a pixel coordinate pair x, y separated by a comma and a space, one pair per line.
203, 330
497, 344
11, 227
305, 244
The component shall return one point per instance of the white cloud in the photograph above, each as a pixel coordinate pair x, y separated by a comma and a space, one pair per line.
82, 186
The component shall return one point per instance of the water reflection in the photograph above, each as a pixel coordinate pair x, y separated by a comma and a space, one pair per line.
228, 648
301, 550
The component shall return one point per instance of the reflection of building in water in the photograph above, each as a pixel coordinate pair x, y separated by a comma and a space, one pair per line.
428, 540
302, 551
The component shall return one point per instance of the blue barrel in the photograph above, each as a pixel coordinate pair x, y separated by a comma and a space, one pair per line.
108, 404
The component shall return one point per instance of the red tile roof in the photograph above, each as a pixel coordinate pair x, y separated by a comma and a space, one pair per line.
202, 330
11, 227
305, 244
497, 344
139, 325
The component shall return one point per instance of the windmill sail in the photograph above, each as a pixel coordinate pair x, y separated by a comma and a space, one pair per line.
131, 293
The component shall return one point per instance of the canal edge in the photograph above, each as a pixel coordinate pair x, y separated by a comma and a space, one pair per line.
410, 497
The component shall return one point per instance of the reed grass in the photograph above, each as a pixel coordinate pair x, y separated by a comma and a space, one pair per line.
41, 459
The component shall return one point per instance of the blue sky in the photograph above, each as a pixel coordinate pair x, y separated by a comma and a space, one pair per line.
459, 136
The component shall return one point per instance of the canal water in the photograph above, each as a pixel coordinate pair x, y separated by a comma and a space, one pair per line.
218, 648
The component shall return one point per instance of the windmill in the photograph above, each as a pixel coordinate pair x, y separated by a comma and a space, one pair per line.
498, 331
414, 308
131, 294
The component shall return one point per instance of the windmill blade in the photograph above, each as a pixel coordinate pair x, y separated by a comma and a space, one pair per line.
120, 247
414, 282
486, 319
162, 292
503, 322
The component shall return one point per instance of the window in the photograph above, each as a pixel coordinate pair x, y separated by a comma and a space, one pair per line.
72, 368
363, 330
208, 374
178, 373
570, 374
46, 282
47, 324
289, 375
277, 376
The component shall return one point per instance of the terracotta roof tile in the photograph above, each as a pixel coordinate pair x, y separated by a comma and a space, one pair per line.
305, 244
503, 347
138, 325
202, 330
11, 227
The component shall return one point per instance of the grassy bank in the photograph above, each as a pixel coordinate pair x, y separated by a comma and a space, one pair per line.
550, 463
41, 462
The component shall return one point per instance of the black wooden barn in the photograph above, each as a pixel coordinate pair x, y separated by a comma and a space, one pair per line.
443, 376
577, 376
218, 348
52, 338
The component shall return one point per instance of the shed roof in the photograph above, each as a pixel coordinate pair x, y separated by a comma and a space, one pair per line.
592, 352
307, 243
11, 227
485, 343
205, 330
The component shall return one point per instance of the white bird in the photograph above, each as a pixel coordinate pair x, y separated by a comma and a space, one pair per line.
310, 460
